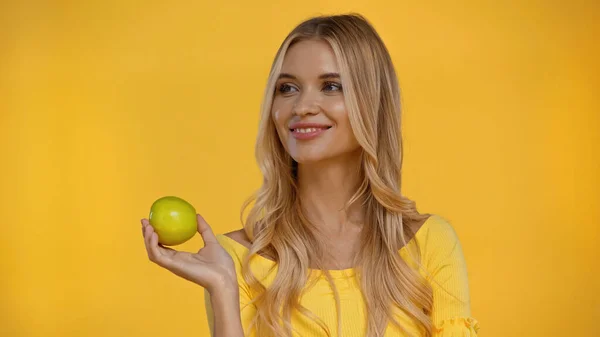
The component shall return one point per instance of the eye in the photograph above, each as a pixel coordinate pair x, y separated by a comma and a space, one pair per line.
286, 88
332, 86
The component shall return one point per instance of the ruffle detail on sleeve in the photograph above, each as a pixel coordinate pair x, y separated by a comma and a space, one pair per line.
457, 327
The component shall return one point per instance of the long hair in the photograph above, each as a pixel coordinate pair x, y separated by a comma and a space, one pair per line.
277, 225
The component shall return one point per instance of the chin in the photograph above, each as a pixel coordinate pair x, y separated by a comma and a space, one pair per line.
309, 158
315, 157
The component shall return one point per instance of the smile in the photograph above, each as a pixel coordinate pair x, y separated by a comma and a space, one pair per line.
309, 132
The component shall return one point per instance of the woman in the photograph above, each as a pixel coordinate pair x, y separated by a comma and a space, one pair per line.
330, 247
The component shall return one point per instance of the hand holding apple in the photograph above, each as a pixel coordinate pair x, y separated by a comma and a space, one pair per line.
211, 267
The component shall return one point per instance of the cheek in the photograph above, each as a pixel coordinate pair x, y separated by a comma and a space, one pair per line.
339, 115
276, 115
337, 111
280, 120
279, 112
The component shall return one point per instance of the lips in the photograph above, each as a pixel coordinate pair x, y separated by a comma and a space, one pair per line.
308, 130
305, 131
304, 126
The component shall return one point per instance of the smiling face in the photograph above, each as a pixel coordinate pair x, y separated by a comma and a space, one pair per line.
308, 108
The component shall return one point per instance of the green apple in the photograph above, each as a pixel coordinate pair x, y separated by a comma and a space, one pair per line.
173, 219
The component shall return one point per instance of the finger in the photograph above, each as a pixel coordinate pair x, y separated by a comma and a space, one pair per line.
166, 250
161, 246
159, 258
146, 230
151, 241
205, 231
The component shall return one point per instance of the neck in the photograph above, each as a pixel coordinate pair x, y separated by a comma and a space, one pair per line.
324, 188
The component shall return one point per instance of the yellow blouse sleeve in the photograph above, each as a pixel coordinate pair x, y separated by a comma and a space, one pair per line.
446, 270
248, 310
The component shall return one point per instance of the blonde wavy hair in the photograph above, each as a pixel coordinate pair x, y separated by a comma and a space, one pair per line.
276, 224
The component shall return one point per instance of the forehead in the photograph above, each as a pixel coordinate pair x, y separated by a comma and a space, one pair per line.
310, 58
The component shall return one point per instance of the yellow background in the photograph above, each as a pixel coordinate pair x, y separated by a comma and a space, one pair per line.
107, 105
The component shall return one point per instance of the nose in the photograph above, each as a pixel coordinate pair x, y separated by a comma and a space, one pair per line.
306, 104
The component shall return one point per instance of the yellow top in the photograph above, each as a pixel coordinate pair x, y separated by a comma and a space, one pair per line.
442, 261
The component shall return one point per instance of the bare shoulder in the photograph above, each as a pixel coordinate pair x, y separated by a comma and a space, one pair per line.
240, 237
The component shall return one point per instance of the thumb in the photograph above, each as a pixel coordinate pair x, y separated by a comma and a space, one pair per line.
205, 231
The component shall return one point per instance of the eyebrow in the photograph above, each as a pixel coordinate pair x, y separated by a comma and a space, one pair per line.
321, 77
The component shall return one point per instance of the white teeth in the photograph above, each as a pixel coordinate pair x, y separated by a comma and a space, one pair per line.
306, 130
